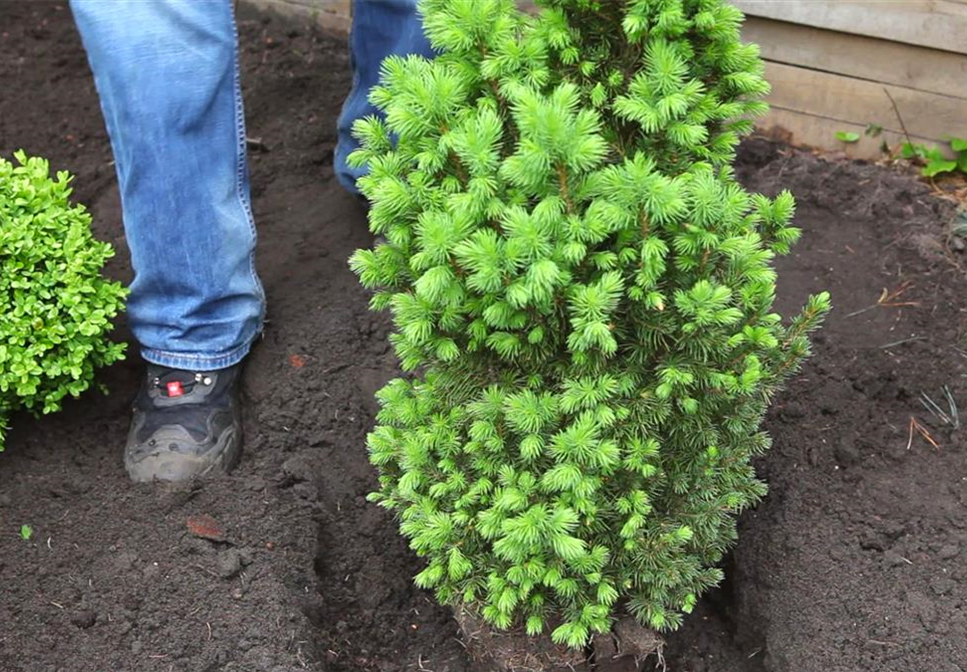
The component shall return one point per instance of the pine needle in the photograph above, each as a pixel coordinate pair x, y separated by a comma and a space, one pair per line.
949, 417
888, 299
915, 425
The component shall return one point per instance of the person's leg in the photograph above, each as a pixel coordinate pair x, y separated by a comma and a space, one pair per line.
380, 28
167, 75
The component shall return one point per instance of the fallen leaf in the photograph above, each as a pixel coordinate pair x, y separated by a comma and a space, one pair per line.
297, 361
206, 527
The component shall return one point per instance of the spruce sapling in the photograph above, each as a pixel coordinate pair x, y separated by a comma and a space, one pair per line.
588, 293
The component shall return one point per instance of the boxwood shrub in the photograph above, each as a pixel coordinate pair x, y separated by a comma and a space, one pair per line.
56, 307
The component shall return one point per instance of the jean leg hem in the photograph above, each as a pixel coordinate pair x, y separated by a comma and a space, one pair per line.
194, 361
348, 183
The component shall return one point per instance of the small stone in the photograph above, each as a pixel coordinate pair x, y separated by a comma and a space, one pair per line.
259, 658
131, 602
956, 519
942, 585
136, 646
84, 618
605, 648
924, 607
237, 593
255, 484
297, 469
948, 551
812, 456
891, 529
195, 546
957, 244
306, 491
792, 411
852, 476
125, 560
229, 564
846, 453
636, 640
870, 540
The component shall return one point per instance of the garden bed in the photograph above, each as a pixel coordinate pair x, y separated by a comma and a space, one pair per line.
854, 562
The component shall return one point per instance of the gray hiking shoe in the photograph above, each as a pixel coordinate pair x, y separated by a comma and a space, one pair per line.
185, 424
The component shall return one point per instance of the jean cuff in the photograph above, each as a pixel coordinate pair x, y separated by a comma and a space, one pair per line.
194, 361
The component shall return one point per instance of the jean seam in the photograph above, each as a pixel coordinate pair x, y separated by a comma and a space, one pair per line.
340, 155
241, 156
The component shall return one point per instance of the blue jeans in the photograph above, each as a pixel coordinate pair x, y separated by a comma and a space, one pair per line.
168, 78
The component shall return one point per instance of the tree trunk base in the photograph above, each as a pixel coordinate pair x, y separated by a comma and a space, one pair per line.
515, 651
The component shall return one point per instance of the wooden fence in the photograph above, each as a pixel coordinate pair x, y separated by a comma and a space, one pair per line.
834, 65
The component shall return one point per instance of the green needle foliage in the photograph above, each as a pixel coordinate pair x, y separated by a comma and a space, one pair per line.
56, 307
589, 293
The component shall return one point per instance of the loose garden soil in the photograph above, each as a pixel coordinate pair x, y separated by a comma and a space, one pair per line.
854, 562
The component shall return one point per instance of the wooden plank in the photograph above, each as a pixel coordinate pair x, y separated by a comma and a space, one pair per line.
334, 15
800, 128
857, 101
938, 24
905, 65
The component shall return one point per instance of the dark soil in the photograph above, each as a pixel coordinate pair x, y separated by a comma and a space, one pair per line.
853, 563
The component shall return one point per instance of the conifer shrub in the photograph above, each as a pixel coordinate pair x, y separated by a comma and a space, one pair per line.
55, 306
587, 293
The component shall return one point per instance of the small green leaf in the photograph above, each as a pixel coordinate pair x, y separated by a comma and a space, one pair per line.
958, 144
848, 137
26, 532
937, 167
908, 150
873, 130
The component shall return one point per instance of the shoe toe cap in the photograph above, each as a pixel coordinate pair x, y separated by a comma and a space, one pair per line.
172, 454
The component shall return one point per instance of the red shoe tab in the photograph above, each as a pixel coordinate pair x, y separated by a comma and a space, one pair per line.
175, 389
